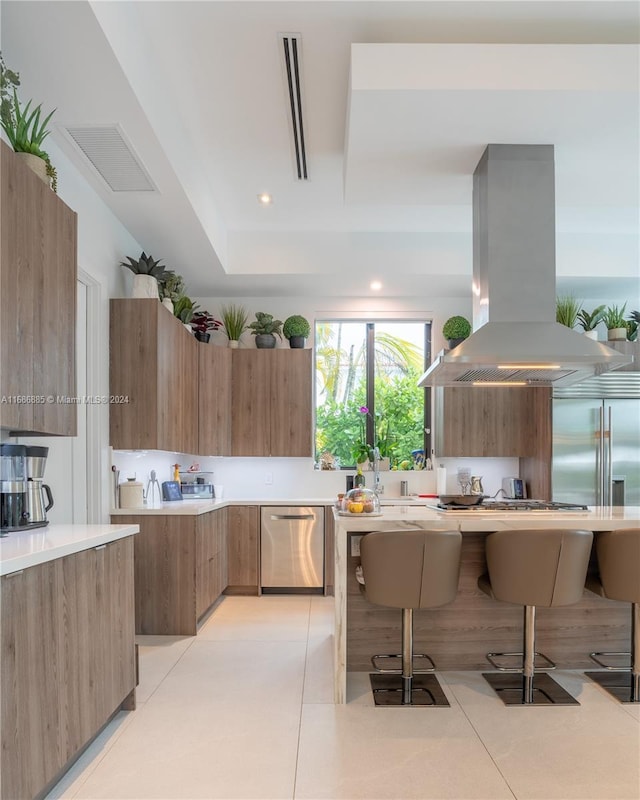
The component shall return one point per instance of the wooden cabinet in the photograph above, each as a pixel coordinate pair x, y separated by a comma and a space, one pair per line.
38, 274
482, 422
180, 569
243, 547
214, 400
272, 403
153, 365
68, 660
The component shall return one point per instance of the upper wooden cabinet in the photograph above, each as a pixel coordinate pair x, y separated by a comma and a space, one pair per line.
500, 421
214, 392
153, 365
38, 274
271, 403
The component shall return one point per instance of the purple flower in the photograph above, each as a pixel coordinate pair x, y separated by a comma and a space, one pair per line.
364, 410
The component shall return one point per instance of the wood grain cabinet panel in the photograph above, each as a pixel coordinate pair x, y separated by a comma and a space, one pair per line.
68, 660
38, 274
214, 400
153, 364
272, 403
243, 543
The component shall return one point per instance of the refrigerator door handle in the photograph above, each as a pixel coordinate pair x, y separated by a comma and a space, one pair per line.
600, 499
610, 461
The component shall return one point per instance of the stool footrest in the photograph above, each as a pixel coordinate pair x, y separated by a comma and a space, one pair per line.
399, 671
594, 657
425, 691
546, 692
492, 656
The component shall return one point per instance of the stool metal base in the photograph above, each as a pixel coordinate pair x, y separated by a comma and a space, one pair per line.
398, 656
425, 691
491, 658
546, 692
618, 684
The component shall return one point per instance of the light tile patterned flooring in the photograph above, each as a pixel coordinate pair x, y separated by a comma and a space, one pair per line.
244, 710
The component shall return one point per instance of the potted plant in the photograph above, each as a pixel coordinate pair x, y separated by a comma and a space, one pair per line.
632, 326
265, 328
171, 287
613, 318
147, 274
202, 323
456, 330
567, 310
589, 321
296, 329
184, 308
234, 322
26, 132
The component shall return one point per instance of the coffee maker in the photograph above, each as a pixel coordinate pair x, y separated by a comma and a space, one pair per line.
39, 497
14, 514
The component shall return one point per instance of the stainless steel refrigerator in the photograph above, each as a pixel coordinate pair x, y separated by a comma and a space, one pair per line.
596, 451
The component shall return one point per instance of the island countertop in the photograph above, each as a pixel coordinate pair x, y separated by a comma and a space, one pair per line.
596, 518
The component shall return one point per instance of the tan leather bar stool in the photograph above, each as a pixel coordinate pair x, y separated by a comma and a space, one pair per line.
619, 567
410, 569
534, 568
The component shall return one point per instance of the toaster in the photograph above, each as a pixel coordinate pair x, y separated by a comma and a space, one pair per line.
514, 488
197, 491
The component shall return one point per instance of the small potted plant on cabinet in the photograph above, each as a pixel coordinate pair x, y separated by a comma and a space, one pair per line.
234, 322
265, 328
184, 308
147, 274
171, 288
202, 323
455, 330
589, 321
567, 311
296, 329
613, 318
632, 326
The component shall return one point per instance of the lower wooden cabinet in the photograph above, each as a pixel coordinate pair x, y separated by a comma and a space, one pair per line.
243, 543
68, 660
180, 569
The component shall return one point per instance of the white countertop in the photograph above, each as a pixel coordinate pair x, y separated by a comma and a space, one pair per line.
197, 507
22, 549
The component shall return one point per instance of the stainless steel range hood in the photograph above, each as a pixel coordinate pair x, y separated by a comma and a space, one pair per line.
516, 340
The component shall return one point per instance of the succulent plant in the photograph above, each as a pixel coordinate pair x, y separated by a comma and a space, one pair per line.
146, 265
296, 326
265, 323
456, 328
613, 317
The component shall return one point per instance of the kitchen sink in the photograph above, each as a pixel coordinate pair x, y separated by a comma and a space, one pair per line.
402, 501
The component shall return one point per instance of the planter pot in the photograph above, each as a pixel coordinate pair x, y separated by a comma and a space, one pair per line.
591, 335
617, 334
145, 286
233, 344
297, 342
265, 341
168, 304
187, 325
454, 343
37, 165
202, 336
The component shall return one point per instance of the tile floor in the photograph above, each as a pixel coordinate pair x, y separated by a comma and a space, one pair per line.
244, 710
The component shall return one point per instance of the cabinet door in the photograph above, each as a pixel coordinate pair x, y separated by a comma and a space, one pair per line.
251, 409
214, 394
206, 552
243, 547
291, 399
177, 386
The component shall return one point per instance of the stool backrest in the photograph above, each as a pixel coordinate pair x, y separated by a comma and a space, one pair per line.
538, 567
619, 564
411, 568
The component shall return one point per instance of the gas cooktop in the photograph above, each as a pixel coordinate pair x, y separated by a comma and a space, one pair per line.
490, 506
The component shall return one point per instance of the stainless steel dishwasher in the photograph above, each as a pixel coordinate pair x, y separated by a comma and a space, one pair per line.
292, 549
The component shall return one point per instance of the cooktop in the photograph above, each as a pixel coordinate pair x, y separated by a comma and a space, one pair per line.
510, 505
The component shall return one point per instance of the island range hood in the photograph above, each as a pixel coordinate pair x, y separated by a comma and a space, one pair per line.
516, 340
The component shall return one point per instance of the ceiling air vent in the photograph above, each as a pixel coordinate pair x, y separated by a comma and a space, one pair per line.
108, 152
291, 48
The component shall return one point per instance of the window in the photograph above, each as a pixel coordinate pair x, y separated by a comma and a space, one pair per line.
374, 366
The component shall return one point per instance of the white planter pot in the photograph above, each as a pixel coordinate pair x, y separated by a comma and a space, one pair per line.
145, 286
187, 325
37, 165
233, 344
617, 334
591, 335
168, 304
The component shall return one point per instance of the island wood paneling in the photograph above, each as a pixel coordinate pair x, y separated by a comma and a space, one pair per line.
458, 636
243, 547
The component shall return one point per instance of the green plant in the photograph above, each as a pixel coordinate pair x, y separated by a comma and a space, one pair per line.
589, 321
456, 328
265, 323
613, 317
9, 80
145, 265
184, 308
171, 287
296, 326
632, 330
567, 310
234, 321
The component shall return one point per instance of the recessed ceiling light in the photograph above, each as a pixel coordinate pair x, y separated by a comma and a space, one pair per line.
265, 199
375, 285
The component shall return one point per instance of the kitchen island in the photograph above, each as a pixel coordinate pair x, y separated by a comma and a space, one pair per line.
457, 636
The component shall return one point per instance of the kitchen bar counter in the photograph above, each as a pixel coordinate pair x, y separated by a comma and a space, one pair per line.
23, 549
197, 507
473, 624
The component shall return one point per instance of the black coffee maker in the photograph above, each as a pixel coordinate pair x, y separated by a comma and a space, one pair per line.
14, 513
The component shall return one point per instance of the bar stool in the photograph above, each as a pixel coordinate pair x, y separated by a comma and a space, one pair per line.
409, 569
533, 568
619, 567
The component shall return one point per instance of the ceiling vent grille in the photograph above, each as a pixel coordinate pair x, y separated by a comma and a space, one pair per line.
291, 44
111, 156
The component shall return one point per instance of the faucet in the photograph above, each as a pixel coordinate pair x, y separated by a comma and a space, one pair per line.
378, 488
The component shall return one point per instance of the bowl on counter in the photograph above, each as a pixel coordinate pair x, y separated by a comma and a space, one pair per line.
461, 499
